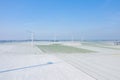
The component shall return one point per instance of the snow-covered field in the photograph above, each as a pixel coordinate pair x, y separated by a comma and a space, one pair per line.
21, 61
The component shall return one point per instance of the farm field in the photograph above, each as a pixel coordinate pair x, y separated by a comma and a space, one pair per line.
59, 61
102, 64
102, 45
58, 48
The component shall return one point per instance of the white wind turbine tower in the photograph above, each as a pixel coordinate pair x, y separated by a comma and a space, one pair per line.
31, 37
55, 38
72, 37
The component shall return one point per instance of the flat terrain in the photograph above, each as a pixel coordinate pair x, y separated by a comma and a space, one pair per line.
100, 66
21, 61
102, 45
58, 48
75, 61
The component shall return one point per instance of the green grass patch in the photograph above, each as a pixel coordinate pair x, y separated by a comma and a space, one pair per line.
57, 48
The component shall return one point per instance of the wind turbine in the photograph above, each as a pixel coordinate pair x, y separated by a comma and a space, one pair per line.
55, 38
31, 37
72, 37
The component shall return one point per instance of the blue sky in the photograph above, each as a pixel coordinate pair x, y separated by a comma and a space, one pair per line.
87, 19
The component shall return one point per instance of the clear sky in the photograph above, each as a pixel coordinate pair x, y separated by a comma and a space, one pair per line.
87, 19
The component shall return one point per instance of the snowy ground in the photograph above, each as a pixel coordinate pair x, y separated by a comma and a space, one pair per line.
24, 62
21, 61
102, 65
